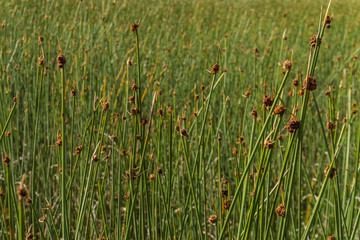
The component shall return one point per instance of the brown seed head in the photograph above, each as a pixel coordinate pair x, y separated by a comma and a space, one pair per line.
103, 148
314, 40
105, 106
134, 27
134, 87
133, 112
212, 219
279, 110
295, 82
41, 61
28, 200
287, 65
78, 149
183, 132
227, 204
41, 39
310, 83
113, 138
61, 60
58, 139
160, 112
267, 101
215, 68
246, 94
269, 144
15, 99
330, 126
292, 125
21, 191
143, 121
6, 160
95, 158
280, 210
123, 153
132, 99
73, 92
224, 193
159, 170
151, 177
301, 92
254, 113
129, 63
234, 151
332, 173
331, 238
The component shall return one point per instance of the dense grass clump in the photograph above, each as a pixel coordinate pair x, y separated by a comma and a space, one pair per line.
179, 120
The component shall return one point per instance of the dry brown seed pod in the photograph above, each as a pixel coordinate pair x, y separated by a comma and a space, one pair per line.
105, 106
331, 237
132, 99
61, 60
227, 204
160, 112
143, 121
134, 27
133, 112
215, 68
224, 193
279, 110
73, 92
123, 153
330, 125
43, 219
159, 170
332, 173
21, 191
310, 83
314, 40
183, 132
287, 65
134, 87
212, 219
151, 177
234, 151
267, 101
95, 158
6, 160
254, 113
246, 94
269, 144
292, 125
280, 210
103, 148
301, 91
41, 61
78, 149
295, 82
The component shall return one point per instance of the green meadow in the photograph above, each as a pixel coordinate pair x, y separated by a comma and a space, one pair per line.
179, 119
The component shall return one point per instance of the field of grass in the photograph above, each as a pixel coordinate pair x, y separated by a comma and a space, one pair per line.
179, 119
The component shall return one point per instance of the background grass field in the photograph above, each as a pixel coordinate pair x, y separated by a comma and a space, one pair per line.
189, 158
